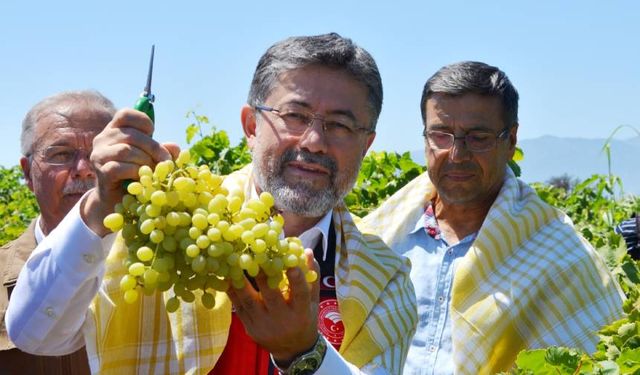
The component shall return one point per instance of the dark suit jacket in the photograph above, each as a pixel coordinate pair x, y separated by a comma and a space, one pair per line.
13, 361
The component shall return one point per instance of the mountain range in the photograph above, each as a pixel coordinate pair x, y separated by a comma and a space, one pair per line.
549, 156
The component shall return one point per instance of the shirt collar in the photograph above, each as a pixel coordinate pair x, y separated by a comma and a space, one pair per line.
39, 234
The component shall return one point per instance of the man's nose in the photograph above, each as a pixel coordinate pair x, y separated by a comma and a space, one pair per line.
83, 168
314, 138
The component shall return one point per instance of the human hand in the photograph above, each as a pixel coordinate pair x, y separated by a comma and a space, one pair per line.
119, 150
286, 327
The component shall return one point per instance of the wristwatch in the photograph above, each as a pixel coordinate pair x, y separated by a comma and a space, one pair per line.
307, 363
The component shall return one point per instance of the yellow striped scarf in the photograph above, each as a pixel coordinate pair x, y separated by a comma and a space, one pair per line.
375, 298
529, 280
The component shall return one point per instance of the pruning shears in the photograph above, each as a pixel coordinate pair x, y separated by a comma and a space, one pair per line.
145, 102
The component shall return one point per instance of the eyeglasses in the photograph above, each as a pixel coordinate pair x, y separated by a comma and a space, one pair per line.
61, 155
297, 121
475, 141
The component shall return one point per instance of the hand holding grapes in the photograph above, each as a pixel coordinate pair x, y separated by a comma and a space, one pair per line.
119, 150
285, 325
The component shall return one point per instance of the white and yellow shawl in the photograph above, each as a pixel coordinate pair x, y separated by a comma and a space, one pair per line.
528, 280
375, 297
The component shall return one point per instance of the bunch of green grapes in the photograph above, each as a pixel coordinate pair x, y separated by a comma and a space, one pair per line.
186, 232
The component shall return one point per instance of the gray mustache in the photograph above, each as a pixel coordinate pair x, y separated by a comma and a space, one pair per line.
309, 157
78, 186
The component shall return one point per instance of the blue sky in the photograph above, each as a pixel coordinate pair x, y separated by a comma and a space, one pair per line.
576, 64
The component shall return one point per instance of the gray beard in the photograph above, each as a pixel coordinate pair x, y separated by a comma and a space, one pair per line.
301, 198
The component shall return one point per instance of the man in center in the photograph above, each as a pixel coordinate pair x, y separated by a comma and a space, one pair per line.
310, 118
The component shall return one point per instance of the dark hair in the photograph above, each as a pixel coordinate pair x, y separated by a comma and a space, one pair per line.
329, 50
477, 78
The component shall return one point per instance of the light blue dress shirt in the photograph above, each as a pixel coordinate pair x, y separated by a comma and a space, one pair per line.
433, 264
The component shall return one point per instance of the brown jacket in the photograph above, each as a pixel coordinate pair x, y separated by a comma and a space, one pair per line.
13, 361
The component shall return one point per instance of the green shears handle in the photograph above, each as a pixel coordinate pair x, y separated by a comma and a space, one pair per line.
145, 104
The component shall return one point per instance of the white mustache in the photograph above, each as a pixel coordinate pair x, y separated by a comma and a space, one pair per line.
78, 186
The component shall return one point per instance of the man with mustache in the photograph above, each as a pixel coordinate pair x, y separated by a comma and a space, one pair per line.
309, 120
496, 270
57, 136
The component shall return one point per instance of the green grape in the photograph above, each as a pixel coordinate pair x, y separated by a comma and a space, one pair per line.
213, 219
188, 296
136, 269
214, 234
147, 226
158, 198
114, 221
247, 223
311, 276
253, 269
156, 236
259, 246
131, 296
232, 259
257, 206
260, 230
173, 218
183, 158
184, 185
248, 237
199, 264
173, 304
160, 222
134, 188
260, 258
128, 282
199, 221
203, 241
218, 204
212, 264
150, 276
267, 199
144, 253
271, 238
234, 204
146, 181
145, 170
232, 233
215, 250
208, 300
291, 261
192, 251
245, 261
194, 233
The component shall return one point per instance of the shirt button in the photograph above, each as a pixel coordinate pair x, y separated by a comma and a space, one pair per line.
449, 251
432, 348
89, 258
441, 299
49, 312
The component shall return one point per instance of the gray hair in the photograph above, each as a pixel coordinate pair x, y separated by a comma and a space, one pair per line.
331, 50
477, 78
51, 105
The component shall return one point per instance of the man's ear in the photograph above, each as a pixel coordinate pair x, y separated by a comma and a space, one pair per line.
248, 119
370, 138
513, 139
26, 171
